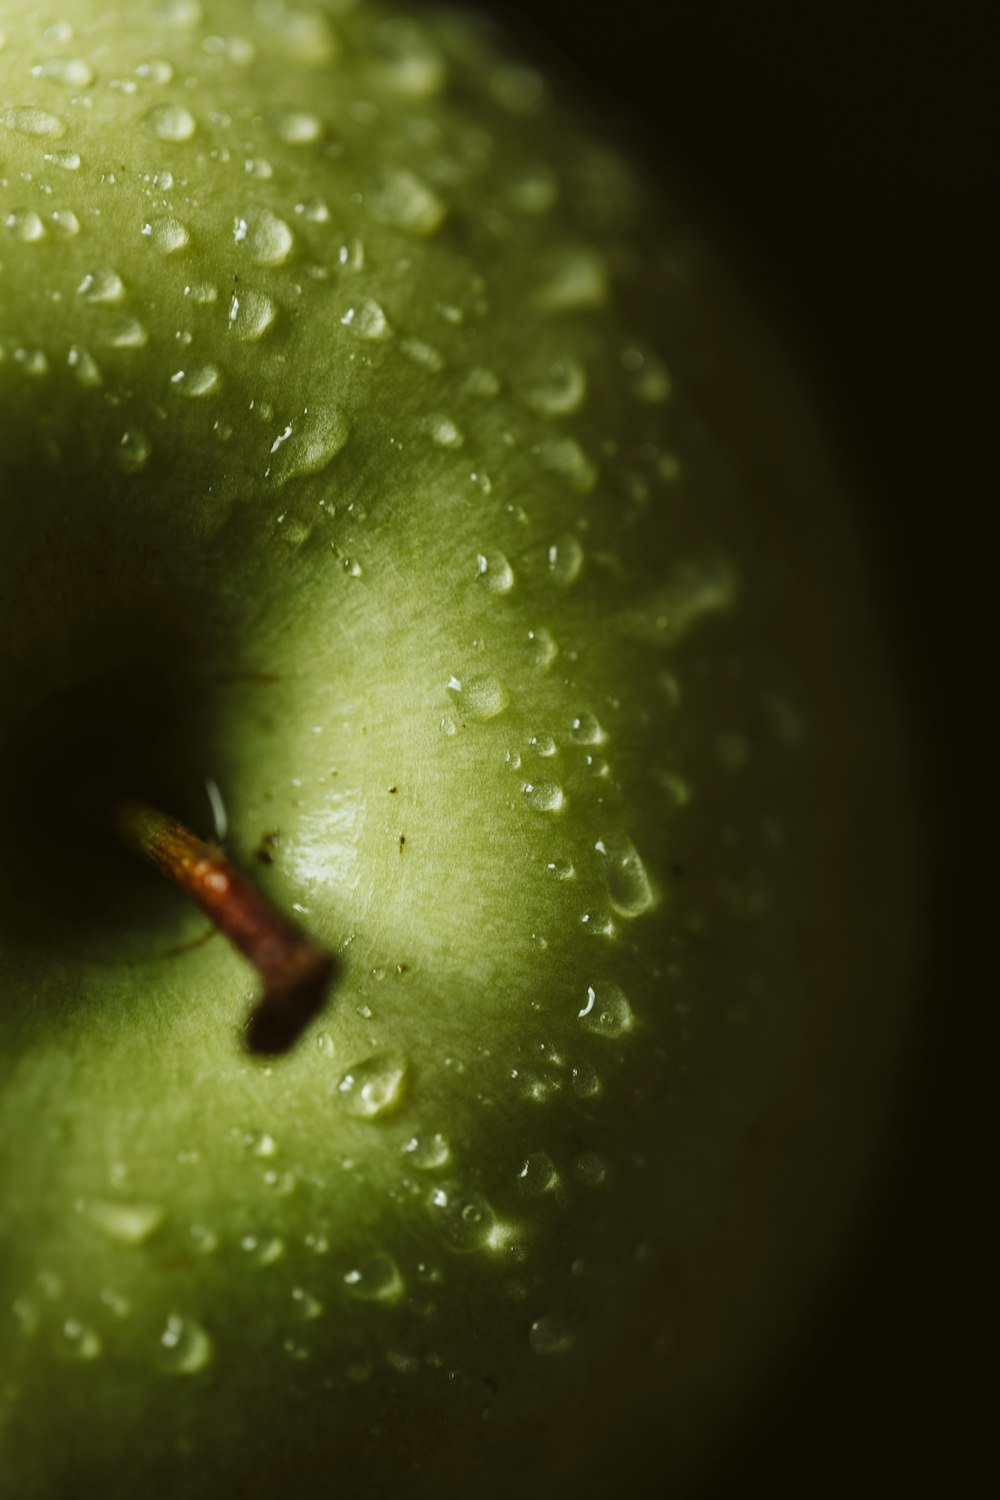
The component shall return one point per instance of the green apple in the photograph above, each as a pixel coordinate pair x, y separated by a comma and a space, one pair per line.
396, 487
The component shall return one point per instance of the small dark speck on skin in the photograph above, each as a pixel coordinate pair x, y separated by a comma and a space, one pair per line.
402, 841
265, 849
393, 790
402, 968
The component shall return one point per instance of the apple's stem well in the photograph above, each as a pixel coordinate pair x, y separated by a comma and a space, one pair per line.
295, 972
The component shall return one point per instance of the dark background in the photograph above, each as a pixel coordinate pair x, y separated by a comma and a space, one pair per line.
850, 149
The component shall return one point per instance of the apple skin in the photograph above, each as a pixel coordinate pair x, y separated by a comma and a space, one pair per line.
478, 542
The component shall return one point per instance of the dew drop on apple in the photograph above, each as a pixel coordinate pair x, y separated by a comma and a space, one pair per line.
577, 282
116, 1304
565, 560
185, 1346
624, 875
125, 333
155, 70
427, 1152
464, 1218
544, 796
267, 239
373, 1087
25, 1316
480, 698
586, 729
296, 127
406, 60
561, 868
534, 191
423, 354
74, 72
543, 646
565, 458
590, 1169
376, 1278
167, 235
308, 444
133, 451
648, 377
494, 572
606, 1011
367, 320
549, 1335
26, 226
556, 388
519, 89
196, 381
81, 1341
65, 224
444, 432
543, 745
308, 1307
538, 1175
66, 161
27, 120
203, 1239
127, 1223
103, 286
585, 1081
172, 122
481, 383
402, 200
182, 15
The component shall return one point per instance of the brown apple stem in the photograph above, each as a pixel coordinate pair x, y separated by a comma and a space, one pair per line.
294, 971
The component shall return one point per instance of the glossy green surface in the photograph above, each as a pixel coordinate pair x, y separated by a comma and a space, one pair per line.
351, 389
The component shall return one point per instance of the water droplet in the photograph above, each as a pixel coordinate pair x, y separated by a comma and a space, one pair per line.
375, 1279
495, 573
75, 72
266, 238
565, 457
65, 223
427, 1152
182, 15
519, 89
544, 796
155, 70
649, 378
82, 1342
128, 1223
305, 36
373, 1087
401, 200
444, 432
187, 1347
114, 1301
586, 1081
309, 443
309, 1308
251, 314
102, 286
565, 559
406, 60
533, 191
26, 226
198, 380
607, 1011
544, 649
367, 320
561, 869
677, 789
296, 127
464, 1218
125, 333
172, 122
166, 235
625, 875
423, 354
577, 281
554, 388
549, 1335
235, 49
351, 256
538, 1175
481, 383
590, 1170
67, 161
84, 367
204, 1240
481, 698
27, 120
543, 745
202, 292
586, 730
